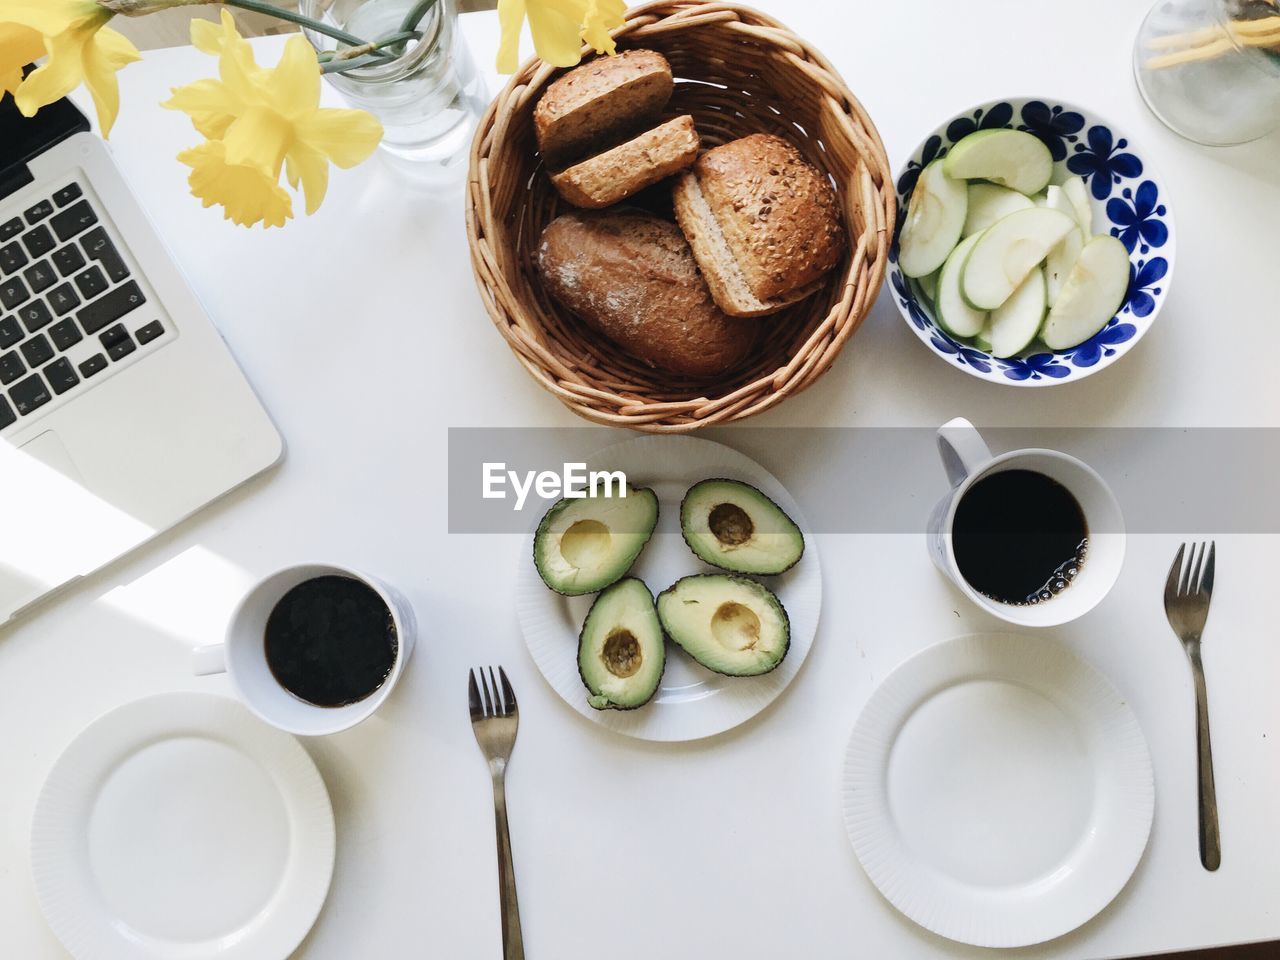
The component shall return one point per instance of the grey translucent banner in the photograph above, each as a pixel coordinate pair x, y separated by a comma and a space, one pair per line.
887, 480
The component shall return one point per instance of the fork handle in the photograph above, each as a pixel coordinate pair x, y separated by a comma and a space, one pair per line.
1210, 842
512, 936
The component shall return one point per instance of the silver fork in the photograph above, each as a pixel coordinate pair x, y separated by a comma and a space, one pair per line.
1187, 593
495, 719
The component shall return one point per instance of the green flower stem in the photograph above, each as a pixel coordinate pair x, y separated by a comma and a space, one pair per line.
414, 17
271, 10
351, 53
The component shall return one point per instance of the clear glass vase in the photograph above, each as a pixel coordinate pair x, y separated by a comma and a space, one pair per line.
429, 98
1210, 69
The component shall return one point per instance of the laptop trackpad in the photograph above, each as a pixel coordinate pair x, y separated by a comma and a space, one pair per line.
48, 449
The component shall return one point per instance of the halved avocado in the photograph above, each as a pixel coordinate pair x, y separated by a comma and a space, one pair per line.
621, 650
585, 544
729, 624
733, 526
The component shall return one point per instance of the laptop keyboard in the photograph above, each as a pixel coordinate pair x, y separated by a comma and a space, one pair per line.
66, 300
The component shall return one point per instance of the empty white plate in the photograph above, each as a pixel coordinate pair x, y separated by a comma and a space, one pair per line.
692, 701
998, 790
180, 827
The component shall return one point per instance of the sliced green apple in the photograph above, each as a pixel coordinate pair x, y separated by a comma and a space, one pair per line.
935, 217
1058, 264
1011, 158
929, 285
1078, 195
989, 202
1094, 290
1017, 321
1010, 250
955, 314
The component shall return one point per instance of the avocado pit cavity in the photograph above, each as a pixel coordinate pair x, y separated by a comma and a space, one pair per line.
585, 544
621, 654
735, 627
731, 524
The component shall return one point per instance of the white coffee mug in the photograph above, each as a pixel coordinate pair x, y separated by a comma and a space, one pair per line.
243, 655
967, 459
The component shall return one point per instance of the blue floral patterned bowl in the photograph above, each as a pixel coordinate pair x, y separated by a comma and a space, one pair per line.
1129, 201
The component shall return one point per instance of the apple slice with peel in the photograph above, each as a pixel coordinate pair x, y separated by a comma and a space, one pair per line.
1015, 324
989, 202
1058, 264
955, 314
1011, 158
1094, 291
1009, 251
935, 217
1078, 195
929, 285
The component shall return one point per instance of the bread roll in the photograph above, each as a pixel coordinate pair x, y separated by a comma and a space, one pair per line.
763, 224
599, 100
628, 168
632, 278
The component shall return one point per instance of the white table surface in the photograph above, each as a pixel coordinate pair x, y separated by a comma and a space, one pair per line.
362, 331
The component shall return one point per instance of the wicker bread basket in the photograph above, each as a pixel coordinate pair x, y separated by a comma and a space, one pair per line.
738, 72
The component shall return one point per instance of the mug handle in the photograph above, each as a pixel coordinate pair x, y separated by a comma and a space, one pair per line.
962, 449
209, 659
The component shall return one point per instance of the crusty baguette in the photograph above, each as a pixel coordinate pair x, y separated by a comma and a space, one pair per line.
629, 167
631, 277
599, 100
761, 207
719, 267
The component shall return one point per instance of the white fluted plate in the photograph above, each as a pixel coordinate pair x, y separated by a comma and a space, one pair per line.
998, 790
181, 827
692, 702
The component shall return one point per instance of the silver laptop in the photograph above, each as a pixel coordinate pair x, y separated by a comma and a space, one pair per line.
121, 410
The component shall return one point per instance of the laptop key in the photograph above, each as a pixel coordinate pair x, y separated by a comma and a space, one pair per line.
91, 283
73, 220
10, 332
35, 316
39, 241
39, 212
65, 334
94, 365
118, 343
7, 416
13, 292
37, 350
29, 395
62, 377
150, 332
10, 230
11, 367
68, 193
69, 259
99, 247
63, 299
112, 307
12, 258
40, 277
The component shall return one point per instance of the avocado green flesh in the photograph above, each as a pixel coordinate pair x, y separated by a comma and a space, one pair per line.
621, 651
734, 526
583, 545
729, 624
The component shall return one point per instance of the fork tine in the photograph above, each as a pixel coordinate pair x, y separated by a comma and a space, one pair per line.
510, 695
484, 686
1171, 584
1184, 584
1206, 584
1193, 584
497, 694
473, 696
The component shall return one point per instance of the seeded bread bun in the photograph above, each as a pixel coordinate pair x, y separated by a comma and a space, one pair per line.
628, 168
763, 224
632, 278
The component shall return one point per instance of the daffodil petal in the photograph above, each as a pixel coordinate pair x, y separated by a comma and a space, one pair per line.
246, 195
206, 36
52, 17
19, 45
56, 77
347, 137
556, 37
601, 17
511, 19
310, 168
260, 137
102, 57
209, 104
295, 82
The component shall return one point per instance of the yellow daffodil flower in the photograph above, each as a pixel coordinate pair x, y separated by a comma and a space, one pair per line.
19, 46
81, 49
259, 122
559, 29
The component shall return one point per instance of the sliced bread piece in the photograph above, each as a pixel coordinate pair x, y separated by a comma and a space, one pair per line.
629, 167
763, 223
598, 100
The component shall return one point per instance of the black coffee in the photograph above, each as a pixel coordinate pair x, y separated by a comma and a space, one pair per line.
1019, 537
331, 641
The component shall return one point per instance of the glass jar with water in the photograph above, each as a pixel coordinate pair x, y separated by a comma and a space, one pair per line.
428, 96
